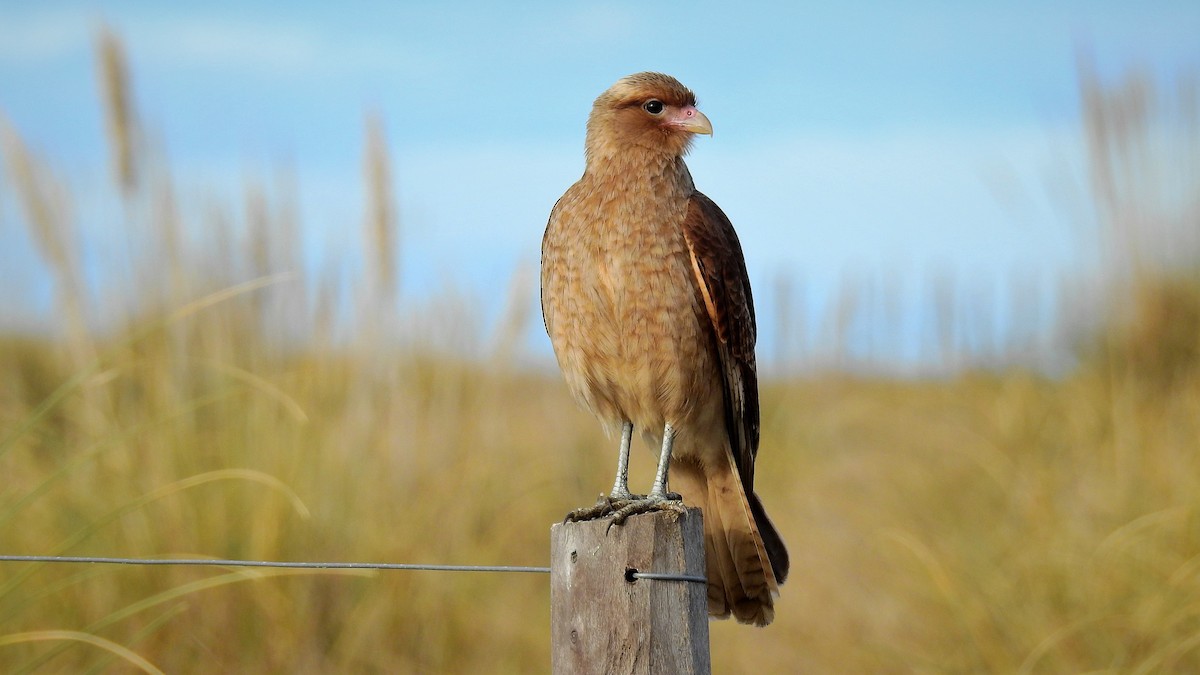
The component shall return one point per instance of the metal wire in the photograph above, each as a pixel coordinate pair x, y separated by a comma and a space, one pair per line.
631, 575
663, 576
269, 563
217, 562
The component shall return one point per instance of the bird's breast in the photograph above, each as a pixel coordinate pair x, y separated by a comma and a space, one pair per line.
623, 312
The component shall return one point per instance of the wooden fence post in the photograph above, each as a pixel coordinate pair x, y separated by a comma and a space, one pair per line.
605, 621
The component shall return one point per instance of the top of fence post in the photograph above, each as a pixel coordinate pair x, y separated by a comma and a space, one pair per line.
604, 620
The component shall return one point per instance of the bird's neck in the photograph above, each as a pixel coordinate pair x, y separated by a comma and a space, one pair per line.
634, 173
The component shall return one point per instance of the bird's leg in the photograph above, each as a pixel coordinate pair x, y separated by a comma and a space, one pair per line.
659, 489
658, 499
621, 484
620, 496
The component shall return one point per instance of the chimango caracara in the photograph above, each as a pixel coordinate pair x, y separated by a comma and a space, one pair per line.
647, 303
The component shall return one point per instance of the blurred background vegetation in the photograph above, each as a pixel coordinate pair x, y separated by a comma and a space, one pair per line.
219, 398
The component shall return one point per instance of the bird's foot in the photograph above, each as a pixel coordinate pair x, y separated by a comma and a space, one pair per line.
669, 501
606, 505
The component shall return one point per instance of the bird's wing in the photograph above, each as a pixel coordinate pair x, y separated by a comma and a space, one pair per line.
547, 265
720, 273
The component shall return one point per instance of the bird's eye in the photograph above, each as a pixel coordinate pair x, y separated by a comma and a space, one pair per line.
653, 106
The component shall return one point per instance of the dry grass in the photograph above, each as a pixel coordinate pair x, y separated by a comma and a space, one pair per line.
988, 522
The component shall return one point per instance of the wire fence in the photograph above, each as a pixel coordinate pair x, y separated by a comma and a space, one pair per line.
630, 575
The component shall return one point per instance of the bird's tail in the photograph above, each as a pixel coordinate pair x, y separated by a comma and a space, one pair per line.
746, 557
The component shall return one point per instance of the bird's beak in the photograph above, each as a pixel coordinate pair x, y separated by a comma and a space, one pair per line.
691, 120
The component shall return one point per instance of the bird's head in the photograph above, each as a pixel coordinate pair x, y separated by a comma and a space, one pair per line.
650, 112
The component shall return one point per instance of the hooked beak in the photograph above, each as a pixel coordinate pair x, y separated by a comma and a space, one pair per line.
691, 120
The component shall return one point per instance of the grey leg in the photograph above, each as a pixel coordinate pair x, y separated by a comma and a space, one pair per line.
658, 499
621, 485
664, 462
620, 493
621, 504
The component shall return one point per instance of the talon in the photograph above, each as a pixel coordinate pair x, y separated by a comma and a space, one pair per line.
667, 502
620, 508
602, 508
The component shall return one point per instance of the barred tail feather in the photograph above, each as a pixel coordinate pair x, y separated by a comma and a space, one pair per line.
742, 576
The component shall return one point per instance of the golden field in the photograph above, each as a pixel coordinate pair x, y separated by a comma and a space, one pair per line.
998, 520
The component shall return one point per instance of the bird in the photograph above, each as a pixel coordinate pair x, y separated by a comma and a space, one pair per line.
647, 303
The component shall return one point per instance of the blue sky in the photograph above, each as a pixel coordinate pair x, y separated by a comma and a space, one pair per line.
883, 140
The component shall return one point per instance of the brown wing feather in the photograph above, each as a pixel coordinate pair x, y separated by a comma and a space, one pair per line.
720, 272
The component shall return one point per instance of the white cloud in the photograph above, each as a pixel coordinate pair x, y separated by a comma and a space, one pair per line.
592, 24
903, 200
27, 37
273, 47
220, 43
